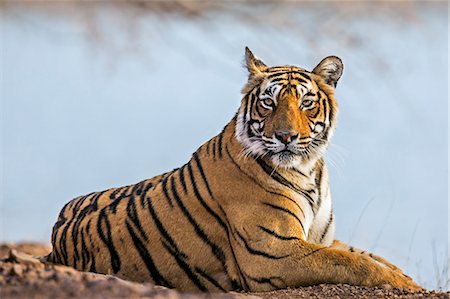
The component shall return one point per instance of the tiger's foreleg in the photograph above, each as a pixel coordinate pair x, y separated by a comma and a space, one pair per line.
301, 263
343, 246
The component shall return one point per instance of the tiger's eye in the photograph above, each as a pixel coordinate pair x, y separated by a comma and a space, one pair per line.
268, 102
307, 103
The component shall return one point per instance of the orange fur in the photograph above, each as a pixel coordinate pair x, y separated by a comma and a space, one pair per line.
230, 219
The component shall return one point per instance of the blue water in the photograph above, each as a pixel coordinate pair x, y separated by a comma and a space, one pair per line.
84, 112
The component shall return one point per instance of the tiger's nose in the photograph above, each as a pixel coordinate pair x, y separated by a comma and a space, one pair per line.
286, 136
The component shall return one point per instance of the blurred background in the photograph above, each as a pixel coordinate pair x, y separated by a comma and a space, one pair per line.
97, 94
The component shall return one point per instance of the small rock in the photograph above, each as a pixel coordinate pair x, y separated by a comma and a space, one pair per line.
32, 276
23, 258
17, 270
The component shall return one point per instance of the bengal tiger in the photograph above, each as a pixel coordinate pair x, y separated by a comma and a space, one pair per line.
250, 211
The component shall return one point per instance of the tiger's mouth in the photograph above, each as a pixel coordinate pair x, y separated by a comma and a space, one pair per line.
289, 153
284, 154
288, 150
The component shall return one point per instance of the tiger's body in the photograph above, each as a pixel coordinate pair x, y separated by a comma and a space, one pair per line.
239, 215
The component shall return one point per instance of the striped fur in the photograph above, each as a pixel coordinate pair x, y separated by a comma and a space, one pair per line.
246, 212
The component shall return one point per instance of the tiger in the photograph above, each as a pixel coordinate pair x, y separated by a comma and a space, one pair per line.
250, 211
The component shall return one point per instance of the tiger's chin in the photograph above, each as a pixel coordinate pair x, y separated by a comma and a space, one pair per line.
286, 159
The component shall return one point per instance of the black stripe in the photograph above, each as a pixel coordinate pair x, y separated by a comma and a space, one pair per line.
202, 173
299, 172
300, 80
235, 284
262, 187
214, 148
202, 201
209, 278
76, 203
123, 193
114, 193
313, 251
331, 112
306, 76
330, 220
258, 252
166, 193
316, 113
143, 195
286, 211
185, 267
217, 251
283, 181
318, 181
207, 146
133, 216
267, 280
327, 103
116, 200
254, 99
84, 252
325, 108
259, 112
92, 255
278, 79
220, 143
276, 74
74, 210
246, 100
107, 239
250, 133
274, 69
252, 103
289, 72
56, 255
161, 227
79, 218
138, 188
146, 257
182, 179
273, 233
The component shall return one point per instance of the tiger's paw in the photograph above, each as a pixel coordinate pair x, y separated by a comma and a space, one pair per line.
395, 278
381, 275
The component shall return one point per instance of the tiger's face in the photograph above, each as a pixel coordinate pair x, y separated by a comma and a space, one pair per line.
288, 114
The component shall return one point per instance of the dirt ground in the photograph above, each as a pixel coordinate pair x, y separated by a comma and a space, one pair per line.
22, 276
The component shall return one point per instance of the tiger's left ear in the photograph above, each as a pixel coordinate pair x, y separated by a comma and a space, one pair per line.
330, 69
254, 65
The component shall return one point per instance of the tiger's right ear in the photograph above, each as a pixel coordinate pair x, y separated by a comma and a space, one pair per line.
330, 69
254, 65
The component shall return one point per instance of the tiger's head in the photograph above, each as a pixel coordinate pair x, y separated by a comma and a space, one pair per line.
288, 114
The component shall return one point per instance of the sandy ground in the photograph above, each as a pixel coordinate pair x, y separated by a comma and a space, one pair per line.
22, 276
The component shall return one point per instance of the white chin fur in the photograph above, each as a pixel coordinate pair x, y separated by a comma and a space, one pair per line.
283, 161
